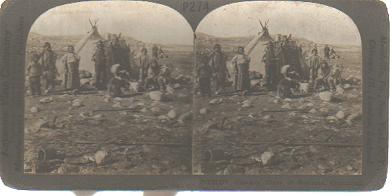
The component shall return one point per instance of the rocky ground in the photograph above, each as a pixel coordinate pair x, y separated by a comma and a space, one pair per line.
94, 134
261, 134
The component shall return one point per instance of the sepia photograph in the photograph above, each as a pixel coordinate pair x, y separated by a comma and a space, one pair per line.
109, 90
278, 91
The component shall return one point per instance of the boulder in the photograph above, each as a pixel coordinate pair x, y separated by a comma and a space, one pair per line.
155, 110
34, 109
101, 157
46, 100
172, 114
177, 85
340, 115
313, 111
117, 105
339, 90
325, 96
266, 157
286, 106
203, 111
215, 101
155, 95
246, 104
77, 103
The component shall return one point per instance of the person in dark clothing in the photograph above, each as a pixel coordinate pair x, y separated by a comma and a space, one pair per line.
118, 86
34, 73
48, 62
327, 51
288, 83
218, 65
204, 75
100, 66
269, 61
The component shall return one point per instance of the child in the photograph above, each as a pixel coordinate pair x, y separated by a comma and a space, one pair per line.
204, 75
163, 78
152, 75
117, 86
288, 84
34, 73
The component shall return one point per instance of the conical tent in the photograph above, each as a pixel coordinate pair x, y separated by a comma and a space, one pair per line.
256, 49
85, 48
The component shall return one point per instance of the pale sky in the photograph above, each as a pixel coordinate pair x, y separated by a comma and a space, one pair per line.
147, 22
318, 23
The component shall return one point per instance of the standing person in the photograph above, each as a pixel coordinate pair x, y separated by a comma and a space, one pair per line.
109, 58
241, 71
48, 62
34, 73
144, 65
99, 59
314, 65
324, 78
269, 61
219, 68
164, 77
327, 51
152, 75
71, 67
204, 75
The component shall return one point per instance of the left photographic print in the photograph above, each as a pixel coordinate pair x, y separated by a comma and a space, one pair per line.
108, 91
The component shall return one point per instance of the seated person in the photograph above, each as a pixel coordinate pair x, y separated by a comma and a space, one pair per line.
288, 84
118, 86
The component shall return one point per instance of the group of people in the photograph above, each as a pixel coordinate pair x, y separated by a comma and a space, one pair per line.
112, 60
285, 68
212, 72
42, 69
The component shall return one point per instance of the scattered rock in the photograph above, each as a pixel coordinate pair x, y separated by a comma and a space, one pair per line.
266, 157
203, 111
286, 106
340, 115
312, 111
46, 100
186, 117
170, 90
246, 104
77, 103
144, 110
339, 90
309, 104
155, 110
312, 149
34, 109
40, 123
216, 101
163, 117
172, 114
346, 86
117, 105
267, 117
325, 96
100, 157
276, 101
331, 118
155, 95
117, 99
107, 99
177, 85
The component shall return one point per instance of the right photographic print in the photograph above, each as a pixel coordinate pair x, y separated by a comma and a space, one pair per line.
278, 91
